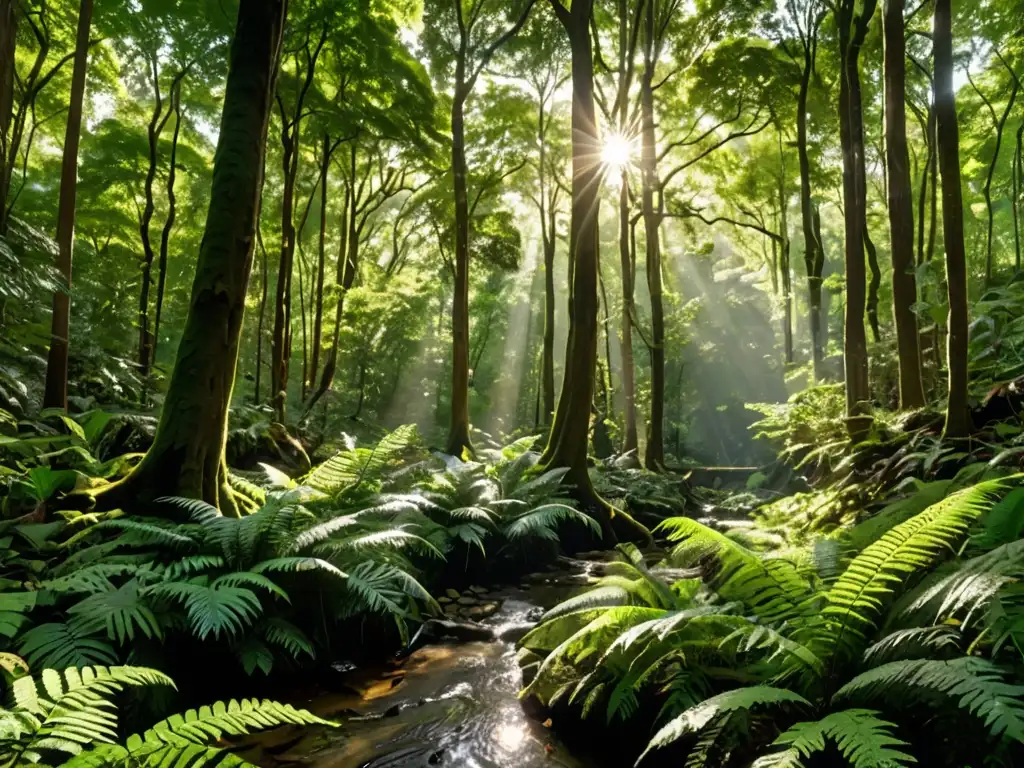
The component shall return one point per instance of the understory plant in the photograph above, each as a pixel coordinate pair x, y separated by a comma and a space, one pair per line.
900, 646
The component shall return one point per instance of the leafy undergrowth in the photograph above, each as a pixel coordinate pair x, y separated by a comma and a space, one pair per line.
891, 641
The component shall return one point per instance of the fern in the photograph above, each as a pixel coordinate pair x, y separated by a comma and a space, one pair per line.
856, 602
863, 738
64, 645
771, 588
62, 712
350, 468
918, 642
543, 522
213, 610
120, 611
970, 683
699, 717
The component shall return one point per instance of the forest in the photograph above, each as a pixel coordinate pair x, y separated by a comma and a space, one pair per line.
488, 383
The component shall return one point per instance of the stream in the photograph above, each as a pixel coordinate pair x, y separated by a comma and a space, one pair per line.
447, 704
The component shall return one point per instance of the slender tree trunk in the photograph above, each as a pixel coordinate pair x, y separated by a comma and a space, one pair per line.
187, 456
1018, 180
654, 456
570, 430
145, 351
56, 390
344, 276
264, 286
165, 235
548, 354
783, 261
998, 124
901, 208
814, 257
318, 316
8, 43
458, 435
851, 129
873, 285
952, 221
281, 343
630, 441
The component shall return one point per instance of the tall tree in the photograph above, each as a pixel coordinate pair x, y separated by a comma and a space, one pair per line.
852, 20
8, 43
570, 431
187, 455
901, 208
479, 31
56, 392
952, 220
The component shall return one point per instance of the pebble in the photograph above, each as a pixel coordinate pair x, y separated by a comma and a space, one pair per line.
478, 590
467, 600
452, 593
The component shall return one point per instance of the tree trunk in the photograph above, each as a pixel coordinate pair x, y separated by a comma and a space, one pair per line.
570, 431
8, 43
458, 434
952, 221
145, 351
873, 285
318, 295
783, 262
187, 456
851, 131
280, 349
264, 286
901, 208
814, 257
548, 355
1018, 180
56, 391
165, 236
654, 455
630, 441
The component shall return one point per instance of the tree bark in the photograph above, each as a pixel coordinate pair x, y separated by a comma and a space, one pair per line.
873, 285
187, 456
548, 354
783, 246
630, 440
165, 235
814, 256
458, 434
56, 390
264, 287
318, 296
570, 430
901, 208
852, 29
8, 44
1018, 180
952, 221
654, 455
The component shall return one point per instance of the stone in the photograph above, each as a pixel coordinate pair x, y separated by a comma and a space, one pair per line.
452, 593
444, 600
478, 590
478, 612
451, 610
466, 600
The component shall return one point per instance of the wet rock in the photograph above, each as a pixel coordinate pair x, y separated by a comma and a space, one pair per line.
451, 610
393, 711
478, 590
444, 600
513, 633
478, 612
537, 578
436, 758
452, 593
466, 600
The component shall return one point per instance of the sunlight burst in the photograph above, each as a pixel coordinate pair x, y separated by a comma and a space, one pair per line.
617, 151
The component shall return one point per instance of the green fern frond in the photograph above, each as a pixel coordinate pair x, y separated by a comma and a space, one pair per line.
213, 610
283, 633
191, 509
137, 533
863, 738
696, 719
119, 611
89, 579
298, 565
389, 538
606, 595
970, 683
773, 589
191, 565
352, 467
543, 522
915, 643
857, 600
64, 712
64, 645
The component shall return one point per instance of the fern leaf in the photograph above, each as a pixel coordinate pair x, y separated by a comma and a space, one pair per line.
915, 643
64, 645
863, 738
696, 719
214, 610
857, 600
120, 612
298, 565
970, 683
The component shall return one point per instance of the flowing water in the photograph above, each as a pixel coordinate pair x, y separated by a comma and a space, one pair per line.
447, 704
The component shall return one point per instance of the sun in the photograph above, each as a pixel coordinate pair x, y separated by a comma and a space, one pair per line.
617, 151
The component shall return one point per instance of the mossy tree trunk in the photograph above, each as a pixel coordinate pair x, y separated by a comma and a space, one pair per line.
570, 430
187, 456
901, 208
952, 221
55, 394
